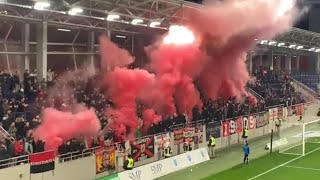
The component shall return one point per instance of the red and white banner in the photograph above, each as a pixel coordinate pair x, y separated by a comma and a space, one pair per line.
249, 122
299, 109
225, 128
273, 114
233, 126
239, 125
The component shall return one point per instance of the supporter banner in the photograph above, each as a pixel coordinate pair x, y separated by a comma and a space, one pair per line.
232, 125
166, 166
142, 148
290, 111
261, 120
178, 136
188, 133
285, 113
249, 122
299, 109
198, 135
280, 112
225, 128
105, 159
42, 162
160, 140
213, 128
273, 114
239, 125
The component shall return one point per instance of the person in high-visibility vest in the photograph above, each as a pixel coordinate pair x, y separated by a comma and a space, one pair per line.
245, 135
187, 145
167, 150
211, 145
278, 125
129, 163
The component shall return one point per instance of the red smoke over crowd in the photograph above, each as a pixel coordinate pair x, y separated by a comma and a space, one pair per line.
58, 127
212, 54
208, 53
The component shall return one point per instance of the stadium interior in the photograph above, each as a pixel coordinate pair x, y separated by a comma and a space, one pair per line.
86, 83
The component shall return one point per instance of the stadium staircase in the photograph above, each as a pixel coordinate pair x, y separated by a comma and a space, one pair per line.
254, 94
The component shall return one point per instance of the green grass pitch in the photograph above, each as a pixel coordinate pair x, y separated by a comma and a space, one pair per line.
277, 166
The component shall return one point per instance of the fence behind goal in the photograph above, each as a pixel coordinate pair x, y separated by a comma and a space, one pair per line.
299, 138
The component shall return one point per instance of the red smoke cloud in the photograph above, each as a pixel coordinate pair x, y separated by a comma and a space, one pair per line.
125, 86
214, 58
149, 117
175, 67
227, 30
112, 56
58, 127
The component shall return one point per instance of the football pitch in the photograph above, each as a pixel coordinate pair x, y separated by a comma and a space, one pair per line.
277, 166
268, 166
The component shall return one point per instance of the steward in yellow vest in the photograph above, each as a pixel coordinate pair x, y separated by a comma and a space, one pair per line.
129, 163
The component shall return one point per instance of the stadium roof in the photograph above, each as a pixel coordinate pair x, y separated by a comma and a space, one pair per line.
94, 13
132, 16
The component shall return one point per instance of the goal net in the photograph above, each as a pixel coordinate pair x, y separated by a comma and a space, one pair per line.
298, 138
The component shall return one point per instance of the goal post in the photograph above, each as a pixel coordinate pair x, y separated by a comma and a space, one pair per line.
299, 138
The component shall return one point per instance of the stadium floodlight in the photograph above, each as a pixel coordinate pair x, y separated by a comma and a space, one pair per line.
120, 36
64, 30
112, 17
292, 46
317, 50
299, 47
136, 21
75, 11
272, 43
154, 24
312, 49
281, 44
41, 5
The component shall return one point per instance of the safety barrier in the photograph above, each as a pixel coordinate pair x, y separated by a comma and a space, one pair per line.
166, 166
6, 163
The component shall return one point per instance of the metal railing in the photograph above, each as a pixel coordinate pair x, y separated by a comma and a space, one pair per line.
6, 163
186, 125
254, 93
3, 133
77, 154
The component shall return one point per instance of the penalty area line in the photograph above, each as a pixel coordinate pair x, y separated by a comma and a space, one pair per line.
303, 168
261, 174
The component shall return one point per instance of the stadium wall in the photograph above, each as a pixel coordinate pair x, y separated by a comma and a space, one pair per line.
84, 168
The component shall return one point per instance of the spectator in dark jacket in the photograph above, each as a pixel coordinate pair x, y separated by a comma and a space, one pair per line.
40, 146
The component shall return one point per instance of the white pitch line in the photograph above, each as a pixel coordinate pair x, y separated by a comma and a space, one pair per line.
261, 174
297, 167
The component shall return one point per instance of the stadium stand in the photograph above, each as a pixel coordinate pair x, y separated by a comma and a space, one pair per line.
23, 101
275, 88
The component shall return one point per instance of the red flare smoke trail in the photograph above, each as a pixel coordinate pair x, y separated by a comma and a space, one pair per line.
213, 54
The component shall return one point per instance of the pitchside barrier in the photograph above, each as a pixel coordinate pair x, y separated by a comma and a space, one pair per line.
166, 166
148, 151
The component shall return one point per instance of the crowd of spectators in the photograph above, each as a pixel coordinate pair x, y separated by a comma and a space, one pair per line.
212, 110
21, 103
275, 89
